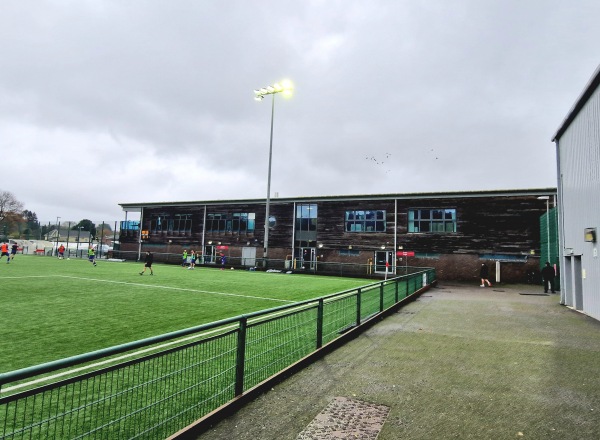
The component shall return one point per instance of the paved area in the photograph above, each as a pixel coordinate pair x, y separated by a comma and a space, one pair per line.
461, 362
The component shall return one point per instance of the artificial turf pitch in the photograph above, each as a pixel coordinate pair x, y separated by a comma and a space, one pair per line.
52, 309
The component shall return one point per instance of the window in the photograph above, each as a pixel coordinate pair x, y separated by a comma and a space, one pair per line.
242, 223
432, 220
216, 222
238, 223
365, 221
171, 223
182, 223
306, 217
158, 223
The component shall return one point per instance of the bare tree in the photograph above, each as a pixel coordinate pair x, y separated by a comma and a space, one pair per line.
10, 208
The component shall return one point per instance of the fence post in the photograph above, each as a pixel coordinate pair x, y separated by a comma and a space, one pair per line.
381, 296
396, 291
320, 324
358, 294
241, 357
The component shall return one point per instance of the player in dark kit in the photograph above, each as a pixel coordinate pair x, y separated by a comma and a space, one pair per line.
148, 263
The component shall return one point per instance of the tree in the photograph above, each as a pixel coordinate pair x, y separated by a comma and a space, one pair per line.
86, 225
10, 207
30, 217
32, 228
104, 226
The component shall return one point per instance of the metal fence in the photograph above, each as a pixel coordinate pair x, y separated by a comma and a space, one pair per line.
316, 268
160, 385
549, 244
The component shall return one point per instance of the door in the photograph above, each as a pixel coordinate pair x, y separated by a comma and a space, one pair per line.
384, 259
210, 254
306, 258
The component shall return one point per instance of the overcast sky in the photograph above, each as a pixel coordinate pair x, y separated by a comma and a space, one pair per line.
105, 102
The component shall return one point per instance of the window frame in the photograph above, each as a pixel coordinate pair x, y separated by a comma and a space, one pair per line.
365, 221
432, 221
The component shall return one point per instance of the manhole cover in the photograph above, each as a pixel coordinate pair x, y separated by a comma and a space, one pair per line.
346, 418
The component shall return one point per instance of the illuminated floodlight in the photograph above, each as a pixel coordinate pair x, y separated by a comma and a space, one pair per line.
286, 88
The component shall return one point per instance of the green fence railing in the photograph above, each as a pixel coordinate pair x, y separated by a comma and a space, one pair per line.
157, 386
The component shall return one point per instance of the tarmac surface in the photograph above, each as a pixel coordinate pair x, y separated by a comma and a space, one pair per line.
460, 362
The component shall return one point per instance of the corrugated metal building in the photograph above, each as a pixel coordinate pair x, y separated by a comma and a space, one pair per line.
578, 153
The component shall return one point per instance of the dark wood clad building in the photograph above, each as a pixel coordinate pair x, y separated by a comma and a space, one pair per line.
361, 235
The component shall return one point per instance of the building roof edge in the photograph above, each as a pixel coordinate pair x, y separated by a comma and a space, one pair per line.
137, 206
588, 90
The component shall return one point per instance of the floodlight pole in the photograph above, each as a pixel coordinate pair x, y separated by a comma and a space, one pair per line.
285, 87
268, 204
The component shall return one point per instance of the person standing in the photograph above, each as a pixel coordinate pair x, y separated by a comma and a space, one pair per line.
148, 263
223, 261
92, 255
548, 275
184, 258
192, 260
4, 251
484, 274
13, 251
61, 252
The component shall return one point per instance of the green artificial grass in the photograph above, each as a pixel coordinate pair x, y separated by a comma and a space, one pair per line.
52, 309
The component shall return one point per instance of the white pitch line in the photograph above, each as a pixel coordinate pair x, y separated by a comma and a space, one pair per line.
128, 355
139, 352
176, 288
111, 360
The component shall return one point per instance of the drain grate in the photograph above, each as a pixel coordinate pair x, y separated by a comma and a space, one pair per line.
346, 418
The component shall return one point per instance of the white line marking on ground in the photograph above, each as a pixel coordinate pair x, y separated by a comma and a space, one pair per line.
175, 288
137, 353
111, 360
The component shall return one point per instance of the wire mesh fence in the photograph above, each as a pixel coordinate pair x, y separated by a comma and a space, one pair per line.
155, 395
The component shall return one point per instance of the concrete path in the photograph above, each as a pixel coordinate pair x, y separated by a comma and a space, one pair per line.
461, 362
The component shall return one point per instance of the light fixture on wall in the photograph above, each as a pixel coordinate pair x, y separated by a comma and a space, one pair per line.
590, 235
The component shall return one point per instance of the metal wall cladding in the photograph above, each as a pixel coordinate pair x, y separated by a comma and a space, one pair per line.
579, 193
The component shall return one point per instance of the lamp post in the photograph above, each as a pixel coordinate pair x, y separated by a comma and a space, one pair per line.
68, 236
57, 233
286, 88
78, 235
547, 199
